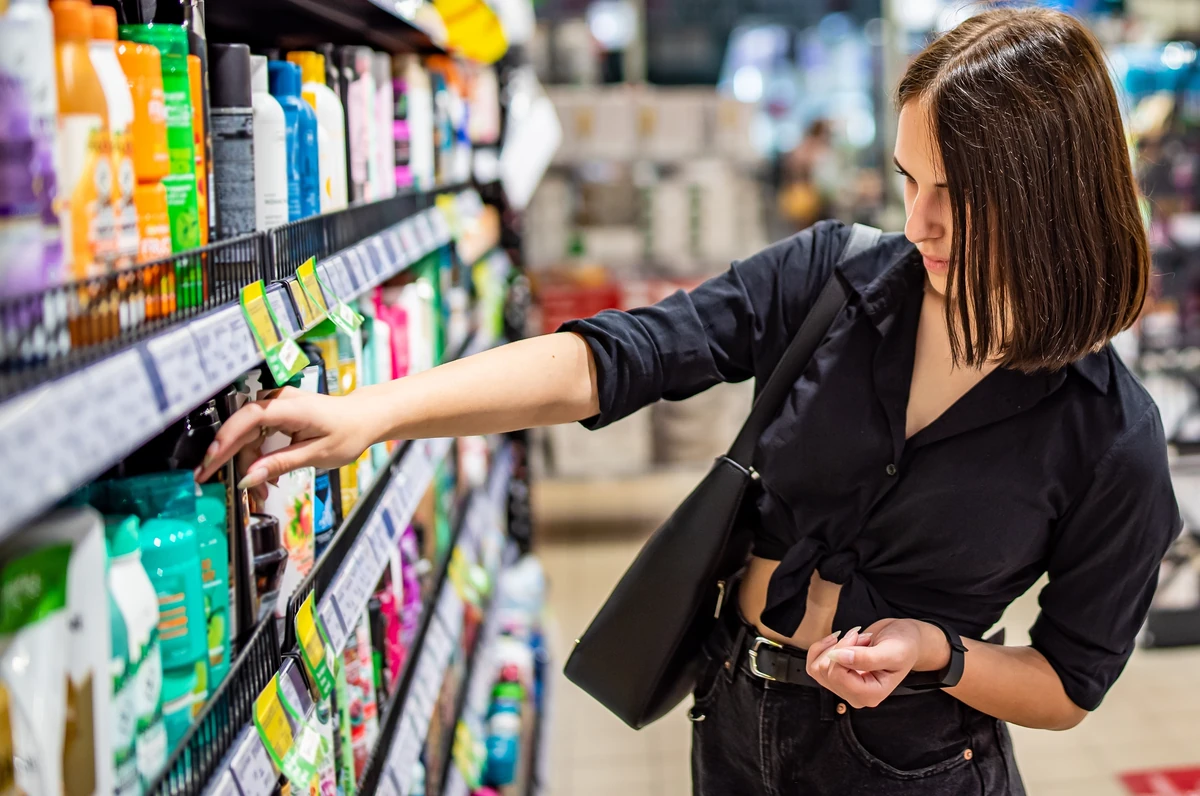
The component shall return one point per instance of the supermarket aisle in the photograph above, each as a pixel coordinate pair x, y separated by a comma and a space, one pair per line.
1150, 720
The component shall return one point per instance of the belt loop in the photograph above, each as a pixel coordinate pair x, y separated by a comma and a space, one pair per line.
734, 659
828, 705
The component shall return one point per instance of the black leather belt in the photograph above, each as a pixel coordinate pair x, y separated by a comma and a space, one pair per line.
775, 662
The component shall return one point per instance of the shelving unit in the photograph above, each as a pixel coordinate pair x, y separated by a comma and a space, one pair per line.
65, 431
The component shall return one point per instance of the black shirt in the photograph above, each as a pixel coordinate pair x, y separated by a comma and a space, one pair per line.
1054, 472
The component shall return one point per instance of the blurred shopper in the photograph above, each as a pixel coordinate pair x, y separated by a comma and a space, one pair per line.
964, 429
808, 179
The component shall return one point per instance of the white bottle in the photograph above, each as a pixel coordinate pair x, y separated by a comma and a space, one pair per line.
270, 151
331, 129
120, 126
420, 122
27, 52
138, 601
385, 108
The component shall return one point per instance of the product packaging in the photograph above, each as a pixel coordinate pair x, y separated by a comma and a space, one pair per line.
304, 189
200, 138
123, 731
270, 151
385, 161
120, 124
20, 225
135, 595
232, 103
89, 225
87, 757
33, 626
331, 122
27, 56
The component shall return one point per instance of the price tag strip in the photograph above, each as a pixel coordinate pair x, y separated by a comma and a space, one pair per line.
352, 585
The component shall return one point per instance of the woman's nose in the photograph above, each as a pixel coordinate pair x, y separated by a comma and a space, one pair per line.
924, 222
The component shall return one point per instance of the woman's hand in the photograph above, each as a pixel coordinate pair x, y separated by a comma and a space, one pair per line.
864, 674
326, 431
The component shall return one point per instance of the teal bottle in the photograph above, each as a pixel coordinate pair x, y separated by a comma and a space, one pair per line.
304, 178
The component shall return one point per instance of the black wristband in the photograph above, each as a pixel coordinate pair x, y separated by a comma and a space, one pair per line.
946, 677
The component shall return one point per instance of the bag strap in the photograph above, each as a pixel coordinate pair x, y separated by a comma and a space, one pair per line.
812, 331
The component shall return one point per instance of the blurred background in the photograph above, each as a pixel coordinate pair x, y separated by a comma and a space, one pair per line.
694, 133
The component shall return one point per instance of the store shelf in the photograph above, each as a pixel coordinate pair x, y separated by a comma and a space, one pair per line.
404, 733
246, 770
61, 434
386, 24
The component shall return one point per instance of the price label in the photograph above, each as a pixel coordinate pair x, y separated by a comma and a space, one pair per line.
334, 622
379, 258
226, 345
177, 363
123, 402
283, 312
253, 769
226, 785
441, 228
336, 278
392, 249
408, 235
358, 273
425, 232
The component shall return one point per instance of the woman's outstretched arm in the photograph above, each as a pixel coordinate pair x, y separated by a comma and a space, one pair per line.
537, 382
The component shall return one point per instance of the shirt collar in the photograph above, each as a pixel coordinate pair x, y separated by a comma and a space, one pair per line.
881, 276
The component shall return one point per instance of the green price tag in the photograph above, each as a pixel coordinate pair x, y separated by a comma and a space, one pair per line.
283, 356
314, 648
271, 721
341, 313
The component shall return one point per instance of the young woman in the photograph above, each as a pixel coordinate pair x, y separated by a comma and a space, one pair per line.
964, 429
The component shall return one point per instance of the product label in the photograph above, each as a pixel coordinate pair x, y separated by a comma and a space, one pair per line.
87, 178
124, 718
151, 734
314, 648
181, 145
125, 211
233, 169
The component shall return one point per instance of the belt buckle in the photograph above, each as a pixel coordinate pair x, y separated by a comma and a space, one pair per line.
753, 653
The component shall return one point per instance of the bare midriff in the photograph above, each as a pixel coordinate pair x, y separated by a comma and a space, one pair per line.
818, 616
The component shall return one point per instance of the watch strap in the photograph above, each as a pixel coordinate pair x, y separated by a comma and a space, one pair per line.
946, 677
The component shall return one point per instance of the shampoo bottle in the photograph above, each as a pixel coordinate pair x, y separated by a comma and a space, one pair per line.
304, 195
20, 224
385, 171
331, 121
200, 138
86, 147
135, 594
270, 151
120, 123
232, 101
124, 710
27, 55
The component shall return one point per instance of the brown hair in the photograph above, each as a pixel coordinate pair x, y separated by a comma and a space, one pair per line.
1049, 258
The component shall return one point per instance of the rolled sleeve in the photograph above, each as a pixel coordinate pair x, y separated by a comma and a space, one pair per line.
1103, 565
729, 329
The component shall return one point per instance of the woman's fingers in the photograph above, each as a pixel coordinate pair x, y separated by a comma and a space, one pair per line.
284, 411
270, 467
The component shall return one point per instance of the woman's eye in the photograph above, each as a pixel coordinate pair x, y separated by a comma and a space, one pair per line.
907, 177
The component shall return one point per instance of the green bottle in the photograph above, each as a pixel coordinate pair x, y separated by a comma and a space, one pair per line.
183, 206
124, 698
214, 569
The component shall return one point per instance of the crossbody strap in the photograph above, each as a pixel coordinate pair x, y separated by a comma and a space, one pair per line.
812, 331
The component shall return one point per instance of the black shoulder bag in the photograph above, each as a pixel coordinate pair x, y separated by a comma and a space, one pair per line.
641, 654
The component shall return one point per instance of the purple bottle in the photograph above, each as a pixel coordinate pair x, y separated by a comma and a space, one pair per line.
21, 266
410, 609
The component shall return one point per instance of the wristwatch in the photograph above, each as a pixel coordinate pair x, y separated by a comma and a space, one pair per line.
946, 677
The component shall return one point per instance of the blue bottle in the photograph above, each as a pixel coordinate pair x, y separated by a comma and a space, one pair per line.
304, 179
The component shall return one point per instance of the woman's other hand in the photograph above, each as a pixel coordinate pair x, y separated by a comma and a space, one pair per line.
326, 431
865, 668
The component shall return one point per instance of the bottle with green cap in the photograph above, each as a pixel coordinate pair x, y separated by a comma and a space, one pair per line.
166, 503
138, 602
214, 566
124, 710
183, 206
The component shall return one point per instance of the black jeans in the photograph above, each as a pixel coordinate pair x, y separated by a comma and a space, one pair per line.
752, 737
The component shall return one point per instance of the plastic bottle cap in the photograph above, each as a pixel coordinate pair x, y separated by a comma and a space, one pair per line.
104, 23
124, 534
72, 20
169, 39
259, 83
229, 76
312, 65
285, 78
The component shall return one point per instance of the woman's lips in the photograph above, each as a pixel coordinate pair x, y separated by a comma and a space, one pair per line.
934, 265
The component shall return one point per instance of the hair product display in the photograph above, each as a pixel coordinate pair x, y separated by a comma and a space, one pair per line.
232, 102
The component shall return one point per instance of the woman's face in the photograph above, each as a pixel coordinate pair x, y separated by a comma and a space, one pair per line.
926, 200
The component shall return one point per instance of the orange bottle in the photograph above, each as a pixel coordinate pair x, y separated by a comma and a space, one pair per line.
195, 79
86, 175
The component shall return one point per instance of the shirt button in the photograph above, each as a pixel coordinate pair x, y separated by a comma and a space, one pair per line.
841, 708
891, 469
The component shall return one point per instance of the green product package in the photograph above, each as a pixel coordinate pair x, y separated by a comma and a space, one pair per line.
172, 44
347, 782
283, 356
214, 571
33, 587
183, 211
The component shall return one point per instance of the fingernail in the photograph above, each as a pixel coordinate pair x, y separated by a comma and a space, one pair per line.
855, 629
256, 476
831, 637
210, 454
842, 656
197, 471
864, 635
